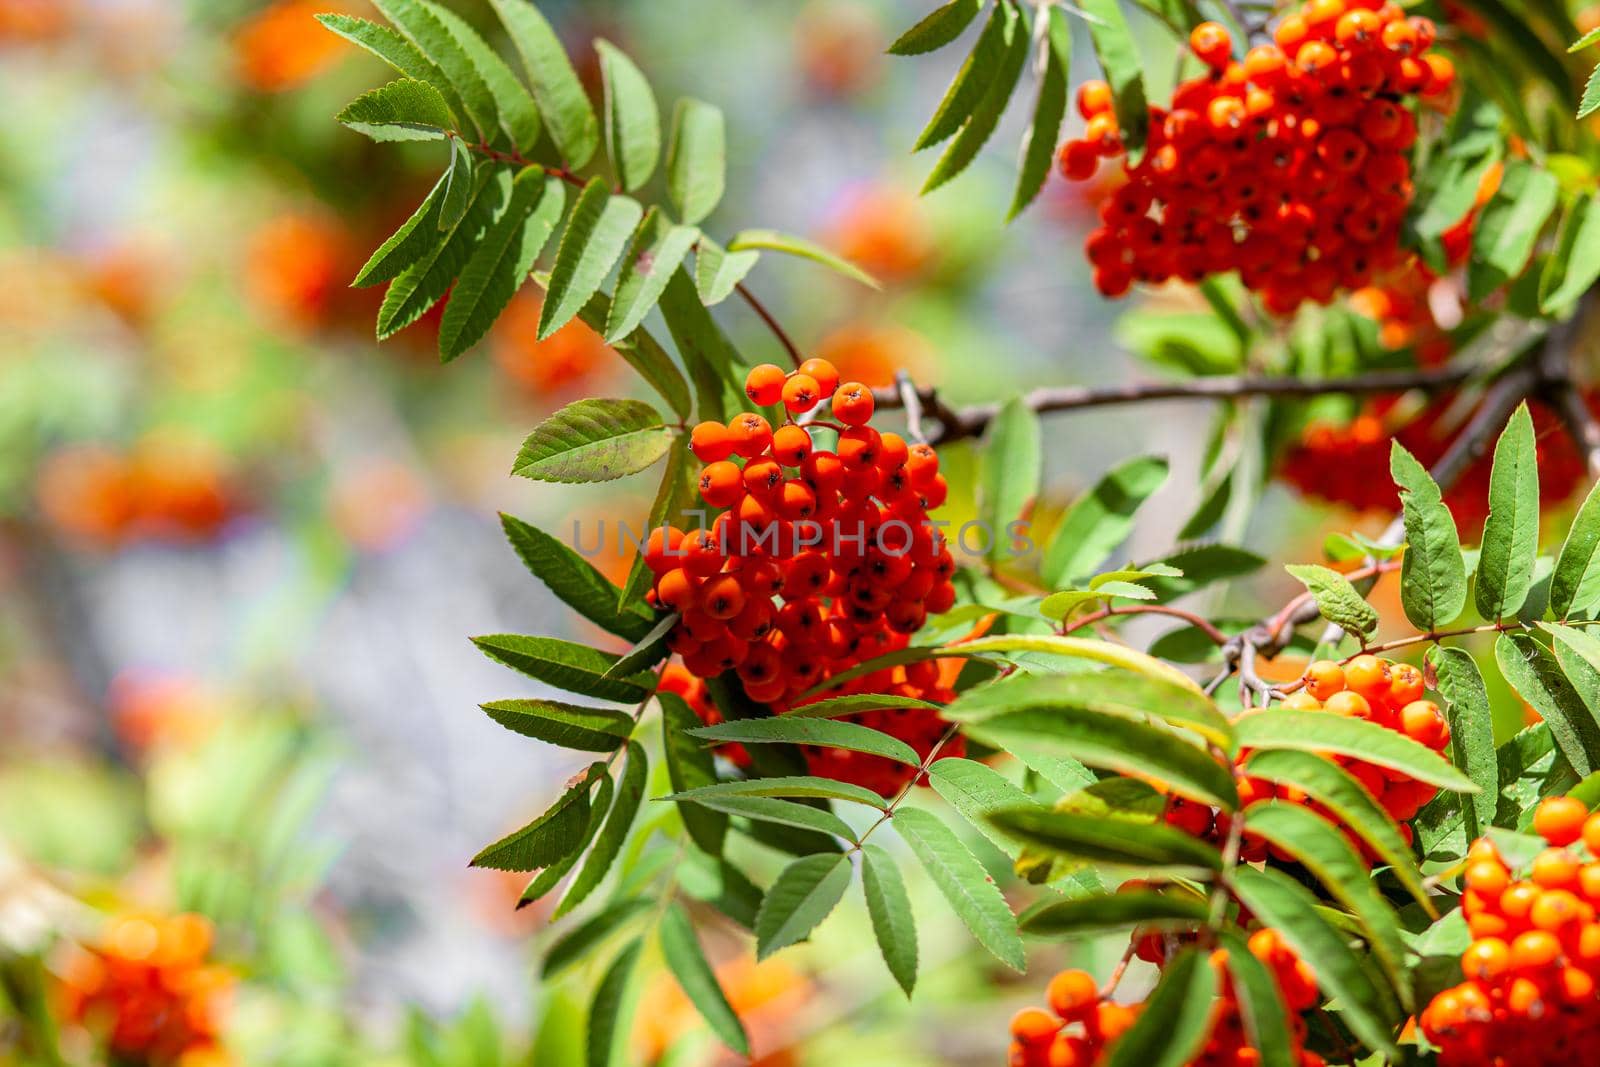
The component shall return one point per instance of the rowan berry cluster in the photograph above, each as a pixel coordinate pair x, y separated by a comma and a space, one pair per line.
1379, 690
167, 488
1349, 464
1288, 166
1529, 994
1081, 1025
148, 991
819, 558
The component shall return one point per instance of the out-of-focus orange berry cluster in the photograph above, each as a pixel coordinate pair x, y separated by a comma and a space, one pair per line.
170, 488
1288, 166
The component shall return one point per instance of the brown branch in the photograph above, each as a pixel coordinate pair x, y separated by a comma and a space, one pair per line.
1199, 622
955, 424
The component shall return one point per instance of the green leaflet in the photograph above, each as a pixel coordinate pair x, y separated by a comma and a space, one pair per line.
657, 250
644, 354
781, 729
560, 96
1433, 576
1119, 60
688, 964
1101, 519
1316, 731
648, 650
1115, 692
1282, 903
790, 245
551, 837
432, 37
1261, 1004
889, 908
971, 80
708, 356
1113, 743
979, 126
717, 272
1536, 674
575, 580
778, 812
1324, 851
964, 883
1103, 914
403, 110
1591, 95
459, 185
689, 767
1097, 839
608, 845
596, 234
1039, 145
854, 703
394, 50
977, 791
803, 895
1509, 226
577, 944
799, 785
519, 118
501, 261
419, 286
1575, 582
594, 441
697, 159
608, 1009
408, 244
1574, 266
1013, 463
1349, 802
567, 725
633, 123
1471, 731
575, 668
1337, 599
1176, 1020
1511, 533
937, 29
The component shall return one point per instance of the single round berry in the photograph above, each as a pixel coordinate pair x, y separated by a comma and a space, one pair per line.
764, 385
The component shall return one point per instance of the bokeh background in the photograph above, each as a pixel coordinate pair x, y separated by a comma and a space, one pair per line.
242, 546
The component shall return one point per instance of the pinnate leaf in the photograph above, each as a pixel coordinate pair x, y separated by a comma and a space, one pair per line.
594, 441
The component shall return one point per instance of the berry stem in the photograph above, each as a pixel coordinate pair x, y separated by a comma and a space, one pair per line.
772, 323
956, 424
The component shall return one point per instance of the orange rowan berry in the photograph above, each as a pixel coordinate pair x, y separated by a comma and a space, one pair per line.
1534, 950
1078, 160
1487, 877
1441, 75
1034, 1026
750, 433
1348, 703
791, 445
825, 374
1324, 678
764, 384
721, 484
1211, 43
1561, 820
853, 404
675, 590
1405, 684
1072, 994
1423, 722
801, 392
1554, 868
709, 441
1293, 31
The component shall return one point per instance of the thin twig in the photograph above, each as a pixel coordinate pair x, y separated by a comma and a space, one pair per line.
772, 324
955, 424
1199, 622
912, 403
893, 805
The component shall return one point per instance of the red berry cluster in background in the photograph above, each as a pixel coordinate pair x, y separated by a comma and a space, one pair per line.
1288, 166
1081, 1025
819, 559
1349, 464
148, 992
1529, 994
1381, 691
